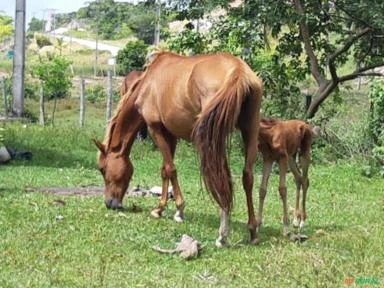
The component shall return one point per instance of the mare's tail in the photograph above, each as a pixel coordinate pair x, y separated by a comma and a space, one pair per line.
217, 120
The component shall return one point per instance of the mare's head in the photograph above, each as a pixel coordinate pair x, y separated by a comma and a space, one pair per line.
117, 171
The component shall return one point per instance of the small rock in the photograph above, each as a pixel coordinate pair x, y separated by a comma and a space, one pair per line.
59, 217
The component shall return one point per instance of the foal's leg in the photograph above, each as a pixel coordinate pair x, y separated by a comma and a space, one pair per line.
283, 163
267, 168
298, 180
304, 161
167, 145
250, 146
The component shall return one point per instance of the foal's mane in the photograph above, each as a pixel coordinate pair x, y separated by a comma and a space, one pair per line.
268, 122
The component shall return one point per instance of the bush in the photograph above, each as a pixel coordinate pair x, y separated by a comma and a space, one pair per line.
2, 136
42, 40
376, 123
53, 71
188, 42
96, 94
131, 57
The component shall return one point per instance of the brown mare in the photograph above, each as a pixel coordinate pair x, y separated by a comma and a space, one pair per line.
282, 141
129, 79
200, 99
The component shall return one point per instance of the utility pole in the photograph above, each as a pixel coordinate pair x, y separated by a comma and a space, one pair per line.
19, 59
157, 24
97, 37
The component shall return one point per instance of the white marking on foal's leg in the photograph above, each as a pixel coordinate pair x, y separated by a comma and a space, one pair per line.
223, 230
296, 222
285, 230
302, 224
179, 215
156, 213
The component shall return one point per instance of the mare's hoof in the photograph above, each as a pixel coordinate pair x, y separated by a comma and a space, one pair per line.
221, 243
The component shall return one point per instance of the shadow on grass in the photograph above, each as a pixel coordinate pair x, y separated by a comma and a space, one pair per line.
55, 159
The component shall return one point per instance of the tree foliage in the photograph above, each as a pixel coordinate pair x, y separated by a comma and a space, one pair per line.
6, 28
309, 37
36, 25
53, 72
115, 20
132, 57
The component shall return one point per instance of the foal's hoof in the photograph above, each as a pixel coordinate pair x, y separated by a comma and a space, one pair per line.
156, 213
178, 218
285, 231
255, 241
296, 222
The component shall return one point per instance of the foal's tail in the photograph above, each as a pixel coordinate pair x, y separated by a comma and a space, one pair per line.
217, 120
308, 133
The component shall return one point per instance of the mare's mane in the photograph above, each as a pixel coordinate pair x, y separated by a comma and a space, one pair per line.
133, 91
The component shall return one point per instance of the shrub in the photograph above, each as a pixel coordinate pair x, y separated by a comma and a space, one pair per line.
2, 136
42, 40
53, 71
188, 42
131, 57
376, 123
96, 94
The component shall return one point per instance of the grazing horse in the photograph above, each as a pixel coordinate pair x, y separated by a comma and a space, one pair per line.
281, 142
201, 99
129, 79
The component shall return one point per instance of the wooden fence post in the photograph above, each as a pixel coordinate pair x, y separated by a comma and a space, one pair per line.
41, 116
109, 96
82, 103
5, 98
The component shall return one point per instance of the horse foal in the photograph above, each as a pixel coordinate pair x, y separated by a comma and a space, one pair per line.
281, 142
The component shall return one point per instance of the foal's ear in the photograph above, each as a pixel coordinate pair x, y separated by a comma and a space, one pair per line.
100, 146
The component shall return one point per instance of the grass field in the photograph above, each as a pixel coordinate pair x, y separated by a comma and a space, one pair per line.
94, 247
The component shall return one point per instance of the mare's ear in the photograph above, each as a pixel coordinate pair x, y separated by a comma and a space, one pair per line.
100, 146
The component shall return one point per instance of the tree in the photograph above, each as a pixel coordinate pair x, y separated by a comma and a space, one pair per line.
309, 37
36, 25
132, 57
6, 28
53, 71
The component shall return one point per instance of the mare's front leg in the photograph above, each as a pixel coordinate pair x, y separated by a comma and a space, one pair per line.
166, 143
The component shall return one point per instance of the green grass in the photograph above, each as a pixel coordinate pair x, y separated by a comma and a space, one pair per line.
95, 247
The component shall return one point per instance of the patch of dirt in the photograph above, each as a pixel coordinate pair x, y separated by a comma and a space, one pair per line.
138, 191
70, 191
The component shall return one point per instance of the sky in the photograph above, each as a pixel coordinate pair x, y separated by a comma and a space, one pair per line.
36, 7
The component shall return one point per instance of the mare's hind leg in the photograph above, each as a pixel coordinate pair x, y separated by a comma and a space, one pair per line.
250, 135
298, 180
304, 162
283, 163
167, 145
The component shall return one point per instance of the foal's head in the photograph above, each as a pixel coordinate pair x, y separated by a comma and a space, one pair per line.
117, 171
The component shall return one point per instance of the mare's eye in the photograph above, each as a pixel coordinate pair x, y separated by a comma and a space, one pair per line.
102, 170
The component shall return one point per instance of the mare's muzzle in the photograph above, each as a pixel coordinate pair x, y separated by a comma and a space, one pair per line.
113, 204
